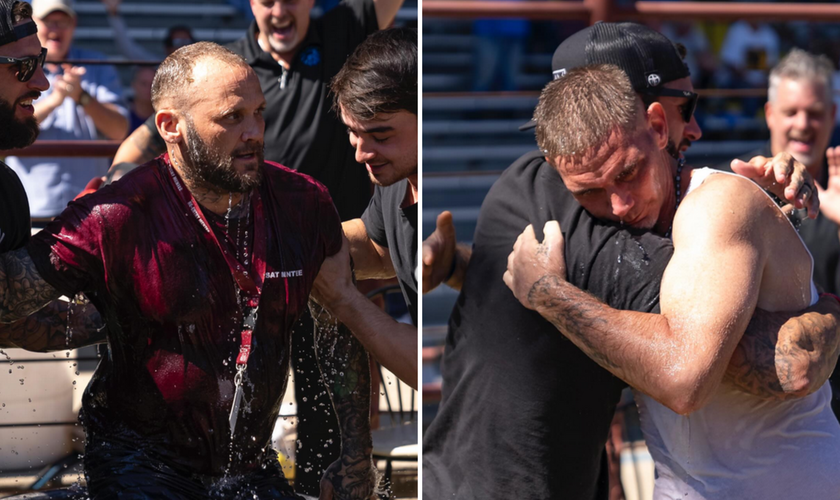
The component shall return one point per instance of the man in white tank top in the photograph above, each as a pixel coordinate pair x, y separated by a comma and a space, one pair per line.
734, 251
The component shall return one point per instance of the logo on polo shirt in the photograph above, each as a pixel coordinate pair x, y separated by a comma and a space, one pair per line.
310, 56
284, 274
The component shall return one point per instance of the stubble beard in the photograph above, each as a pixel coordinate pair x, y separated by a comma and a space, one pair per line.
208, 167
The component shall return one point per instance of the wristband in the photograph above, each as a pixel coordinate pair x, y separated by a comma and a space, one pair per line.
826, 294
455, 266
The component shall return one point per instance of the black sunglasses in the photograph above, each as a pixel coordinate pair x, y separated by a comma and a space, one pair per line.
688, 108
26, 66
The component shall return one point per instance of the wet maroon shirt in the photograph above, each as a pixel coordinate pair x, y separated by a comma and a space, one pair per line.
170, 305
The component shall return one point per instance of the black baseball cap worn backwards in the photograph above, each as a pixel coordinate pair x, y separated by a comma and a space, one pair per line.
10, 33
648, 58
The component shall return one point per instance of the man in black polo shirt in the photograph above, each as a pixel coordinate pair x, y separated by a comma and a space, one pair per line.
800, 114
376, 94
525, 414
295, 57
19, 49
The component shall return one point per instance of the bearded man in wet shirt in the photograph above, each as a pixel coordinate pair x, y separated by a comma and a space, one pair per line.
200, 263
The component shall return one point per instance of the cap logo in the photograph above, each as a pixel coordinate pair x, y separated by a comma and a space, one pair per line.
559, 73
653, 80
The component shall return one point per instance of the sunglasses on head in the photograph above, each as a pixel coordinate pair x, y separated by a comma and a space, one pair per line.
688, 108
26, 66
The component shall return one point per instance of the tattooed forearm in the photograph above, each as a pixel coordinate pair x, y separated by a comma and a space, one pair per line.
572, 311
56, 327
783, 357
22, 290
346, 371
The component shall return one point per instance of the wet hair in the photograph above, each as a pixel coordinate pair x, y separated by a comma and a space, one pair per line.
380, 76
174, 77
579, 111
802, 66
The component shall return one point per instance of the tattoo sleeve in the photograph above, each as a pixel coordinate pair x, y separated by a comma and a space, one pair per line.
782, 356
22, 290
58, 326
346, 371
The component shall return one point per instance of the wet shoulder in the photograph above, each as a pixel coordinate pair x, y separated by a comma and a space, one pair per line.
138, 191
290, 184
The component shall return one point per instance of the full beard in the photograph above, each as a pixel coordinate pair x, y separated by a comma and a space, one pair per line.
209, 167
14, 133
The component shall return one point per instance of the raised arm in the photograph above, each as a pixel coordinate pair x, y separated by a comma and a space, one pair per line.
56, 327
346, 372
22, 290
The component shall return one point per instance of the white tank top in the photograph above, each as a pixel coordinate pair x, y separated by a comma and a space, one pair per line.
740, 447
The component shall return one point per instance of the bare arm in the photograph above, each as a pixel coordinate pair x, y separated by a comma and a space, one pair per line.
107, 118
444, 260
22, 290
56, 327
386, 11
371, 261
138, 148
679, 357
346, 372
393, 344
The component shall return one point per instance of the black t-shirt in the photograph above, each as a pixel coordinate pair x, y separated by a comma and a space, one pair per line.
14, 211
395, 228
525, 414
301, 130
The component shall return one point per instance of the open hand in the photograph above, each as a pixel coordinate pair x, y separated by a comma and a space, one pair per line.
532, 261
783, 176
830, 196
438, 253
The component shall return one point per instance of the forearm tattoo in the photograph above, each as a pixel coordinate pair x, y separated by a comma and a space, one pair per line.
774, 354
22, 290
577, 314
345, 369
58, 326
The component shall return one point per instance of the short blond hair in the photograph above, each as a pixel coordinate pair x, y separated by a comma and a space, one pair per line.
580, 110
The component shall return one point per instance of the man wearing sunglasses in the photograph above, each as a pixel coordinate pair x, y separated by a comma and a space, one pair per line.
83, 103
21, 81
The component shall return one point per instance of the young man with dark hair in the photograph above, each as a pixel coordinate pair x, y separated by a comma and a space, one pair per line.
376, 96
200, 261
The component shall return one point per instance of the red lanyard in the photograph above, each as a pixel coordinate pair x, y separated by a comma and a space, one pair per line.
251, 286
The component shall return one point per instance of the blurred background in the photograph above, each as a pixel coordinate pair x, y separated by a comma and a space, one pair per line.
484, 63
